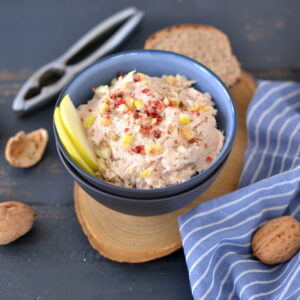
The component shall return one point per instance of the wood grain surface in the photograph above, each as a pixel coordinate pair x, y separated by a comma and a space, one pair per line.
55, 260
125, 238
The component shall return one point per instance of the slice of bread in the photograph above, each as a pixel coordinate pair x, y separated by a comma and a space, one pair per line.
205, 44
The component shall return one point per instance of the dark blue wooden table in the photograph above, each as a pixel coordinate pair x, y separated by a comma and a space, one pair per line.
55, 261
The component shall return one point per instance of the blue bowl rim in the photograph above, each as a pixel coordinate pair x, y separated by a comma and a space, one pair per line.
136, 200
226, 147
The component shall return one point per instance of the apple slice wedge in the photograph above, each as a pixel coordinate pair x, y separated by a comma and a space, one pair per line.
75, 131
68, 144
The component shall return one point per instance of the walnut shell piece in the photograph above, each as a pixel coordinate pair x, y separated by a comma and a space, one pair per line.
16, 219
25, 150
277, 241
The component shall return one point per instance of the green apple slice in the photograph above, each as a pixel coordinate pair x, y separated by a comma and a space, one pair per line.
75, 131
68, 144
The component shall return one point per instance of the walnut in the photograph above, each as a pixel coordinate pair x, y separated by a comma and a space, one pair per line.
25, 150
154, 149
16, 219
277, 241
186, 132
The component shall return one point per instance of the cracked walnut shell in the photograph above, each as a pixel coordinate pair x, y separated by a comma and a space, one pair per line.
25, 150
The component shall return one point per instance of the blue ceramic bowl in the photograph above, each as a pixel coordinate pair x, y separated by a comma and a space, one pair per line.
153, 63
141, 206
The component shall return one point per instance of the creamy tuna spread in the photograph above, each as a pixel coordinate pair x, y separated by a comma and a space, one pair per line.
151, 132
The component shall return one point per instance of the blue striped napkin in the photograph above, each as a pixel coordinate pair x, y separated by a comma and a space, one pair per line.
216, 235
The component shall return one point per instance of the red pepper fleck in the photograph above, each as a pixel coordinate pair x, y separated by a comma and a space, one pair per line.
120, 74
107, 116
93, 90
208, 158
145, 106
157, 133
197, 113
205, 145
159, 118
148, 127
193, 140
121, 101
136, 77
136, 115
126, 129
81, 119
160, 106
90, 110
145, 91
154, 114
175, 142
180, 104
140, 149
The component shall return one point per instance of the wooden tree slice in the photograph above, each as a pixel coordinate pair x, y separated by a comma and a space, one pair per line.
125, 238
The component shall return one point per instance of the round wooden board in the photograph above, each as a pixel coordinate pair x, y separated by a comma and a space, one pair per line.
133, 239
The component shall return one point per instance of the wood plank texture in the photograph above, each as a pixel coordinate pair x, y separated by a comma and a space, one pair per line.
55, 261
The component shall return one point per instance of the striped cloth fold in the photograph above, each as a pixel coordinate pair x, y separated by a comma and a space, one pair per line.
216, 235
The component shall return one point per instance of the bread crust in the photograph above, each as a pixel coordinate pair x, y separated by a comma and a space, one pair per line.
165, 31
230, 78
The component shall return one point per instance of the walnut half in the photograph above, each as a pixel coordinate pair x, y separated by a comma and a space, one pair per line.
25, 150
